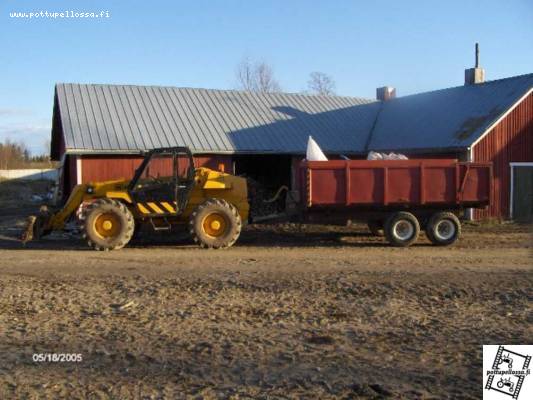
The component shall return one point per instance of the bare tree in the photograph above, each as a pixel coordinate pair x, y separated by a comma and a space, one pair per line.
264, 79
321, 84
246, 74
256, 77
47, 147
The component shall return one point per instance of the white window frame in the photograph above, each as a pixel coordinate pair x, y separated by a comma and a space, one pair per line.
78, 170
512, 166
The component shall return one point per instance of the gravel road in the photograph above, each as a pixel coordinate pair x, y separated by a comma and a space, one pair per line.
317, 312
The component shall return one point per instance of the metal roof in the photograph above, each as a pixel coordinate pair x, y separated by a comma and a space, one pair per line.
123, 118
453, 118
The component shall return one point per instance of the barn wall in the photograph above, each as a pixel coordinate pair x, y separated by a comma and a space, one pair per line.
108, 167
510, 141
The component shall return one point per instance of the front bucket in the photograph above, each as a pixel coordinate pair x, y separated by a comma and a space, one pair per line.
37, 226
29, 233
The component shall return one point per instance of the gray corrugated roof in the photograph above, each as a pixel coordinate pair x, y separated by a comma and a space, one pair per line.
130, 118
451, 118
120, 118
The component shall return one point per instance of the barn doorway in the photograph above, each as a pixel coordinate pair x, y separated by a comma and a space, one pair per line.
271, 171
522, 192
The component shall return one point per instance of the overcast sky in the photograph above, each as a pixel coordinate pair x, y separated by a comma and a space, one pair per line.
413, 45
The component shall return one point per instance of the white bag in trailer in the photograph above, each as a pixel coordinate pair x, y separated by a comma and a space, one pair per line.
314, 152
374, 155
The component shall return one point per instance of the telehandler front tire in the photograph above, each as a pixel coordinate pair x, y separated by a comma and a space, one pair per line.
107, 224
215, 224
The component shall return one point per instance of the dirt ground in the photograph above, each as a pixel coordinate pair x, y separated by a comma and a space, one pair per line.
316, 312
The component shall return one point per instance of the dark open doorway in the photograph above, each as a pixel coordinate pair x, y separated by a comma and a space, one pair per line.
522, 192
272, 171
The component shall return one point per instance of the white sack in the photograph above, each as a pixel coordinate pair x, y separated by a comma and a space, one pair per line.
374, 155
314, 152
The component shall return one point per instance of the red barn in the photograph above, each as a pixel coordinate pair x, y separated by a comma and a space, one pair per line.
99, 131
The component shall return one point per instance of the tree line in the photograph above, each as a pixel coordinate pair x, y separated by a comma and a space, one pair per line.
15, 155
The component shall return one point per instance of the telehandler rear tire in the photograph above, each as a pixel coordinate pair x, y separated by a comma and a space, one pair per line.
107, 224
215, 224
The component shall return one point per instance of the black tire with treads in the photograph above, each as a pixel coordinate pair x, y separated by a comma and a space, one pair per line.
433, 225
231, 217
392, 234
122, 215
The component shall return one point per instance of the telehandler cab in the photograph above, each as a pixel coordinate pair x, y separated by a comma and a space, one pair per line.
166, 190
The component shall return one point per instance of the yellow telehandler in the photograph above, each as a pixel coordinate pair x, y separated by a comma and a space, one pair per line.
166, 190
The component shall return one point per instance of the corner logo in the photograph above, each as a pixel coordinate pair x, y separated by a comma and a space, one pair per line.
506, 372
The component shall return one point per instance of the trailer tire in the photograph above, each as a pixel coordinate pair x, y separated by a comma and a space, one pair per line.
107, 224
443, 228
215, 224
376, 228
402, 229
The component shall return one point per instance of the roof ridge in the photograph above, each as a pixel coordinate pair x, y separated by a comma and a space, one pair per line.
462, 86
295, 93
219, 90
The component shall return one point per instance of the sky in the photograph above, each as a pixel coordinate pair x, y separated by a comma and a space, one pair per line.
415, 46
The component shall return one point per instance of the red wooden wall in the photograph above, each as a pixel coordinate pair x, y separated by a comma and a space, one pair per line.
509, 141
101, 168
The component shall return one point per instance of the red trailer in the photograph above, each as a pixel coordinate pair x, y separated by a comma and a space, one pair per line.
398, 197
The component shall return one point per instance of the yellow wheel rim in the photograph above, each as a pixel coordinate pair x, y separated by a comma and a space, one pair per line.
214, 224
107, 225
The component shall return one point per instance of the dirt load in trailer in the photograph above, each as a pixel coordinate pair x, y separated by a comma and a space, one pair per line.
397, 198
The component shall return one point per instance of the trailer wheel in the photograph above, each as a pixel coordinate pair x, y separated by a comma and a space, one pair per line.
215, 224
402, 229
443, 228
107, 224
376, 228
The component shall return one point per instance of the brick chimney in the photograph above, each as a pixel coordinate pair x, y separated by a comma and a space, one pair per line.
476, 74
385, 93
